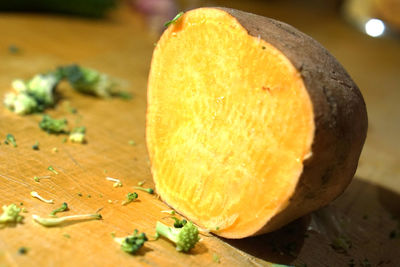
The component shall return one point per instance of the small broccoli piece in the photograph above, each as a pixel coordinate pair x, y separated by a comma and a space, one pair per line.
171, 212
64, 207
11, 214
184, 238
131, 244
38, 178
41, 87
88, 81
36, 195
50, 168
179, 223
148, 190
33, 95
117, 182
20, 103
10, 139
48, 222
53, 126
78, 135
36, 146
130, 197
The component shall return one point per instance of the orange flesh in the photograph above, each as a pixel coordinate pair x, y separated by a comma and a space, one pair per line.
229, 124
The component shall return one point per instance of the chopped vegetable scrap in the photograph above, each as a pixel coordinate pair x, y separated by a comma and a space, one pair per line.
36, 195
130, 197
89, 81
50, 168
34, 95
64, 207
131, 244
117, 182
185, 238
49, 222
77, 135
38, 178
148, 190
10, 139
10, 215
53, 126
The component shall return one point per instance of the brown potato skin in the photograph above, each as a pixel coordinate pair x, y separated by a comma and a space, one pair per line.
340, 117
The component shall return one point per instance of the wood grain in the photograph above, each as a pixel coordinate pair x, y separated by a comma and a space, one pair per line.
121, 46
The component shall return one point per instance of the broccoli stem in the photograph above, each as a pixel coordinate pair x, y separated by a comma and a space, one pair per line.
166, 231
48, 222
148, 190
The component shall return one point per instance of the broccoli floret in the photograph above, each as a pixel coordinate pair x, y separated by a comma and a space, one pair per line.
48, 222
77, 135
11, 214
131, 244
33, 95
64, 207
88, 81
179, 223
184, 238
41, 87
148, 190
130, 197
51, 125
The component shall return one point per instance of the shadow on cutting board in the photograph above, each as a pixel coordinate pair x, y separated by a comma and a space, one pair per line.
360, 228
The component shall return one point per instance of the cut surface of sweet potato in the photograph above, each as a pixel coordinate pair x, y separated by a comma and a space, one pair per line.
231, 124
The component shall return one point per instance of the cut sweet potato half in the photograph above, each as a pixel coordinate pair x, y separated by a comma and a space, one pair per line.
250, 123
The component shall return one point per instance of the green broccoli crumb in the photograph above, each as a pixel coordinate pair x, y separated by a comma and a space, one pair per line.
179, 223
50, 168
22, 250
64, 207
10, 139
130, 197
53, 126
131, 244
67, 236
184, 238
131, 142
36, 146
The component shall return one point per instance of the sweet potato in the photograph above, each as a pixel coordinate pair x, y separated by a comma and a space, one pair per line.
250, 123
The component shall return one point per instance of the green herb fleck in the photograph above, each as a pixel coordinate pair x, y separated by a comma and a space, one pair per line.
64, 207
79, 194
10, 139
50, 168
174, 20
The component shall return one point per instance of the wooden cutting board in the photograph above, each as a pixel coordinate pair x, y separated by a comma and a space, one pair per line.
121, 47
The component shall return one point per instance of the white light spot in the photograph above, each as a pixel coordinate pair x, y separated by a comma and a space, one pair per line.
374, 27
